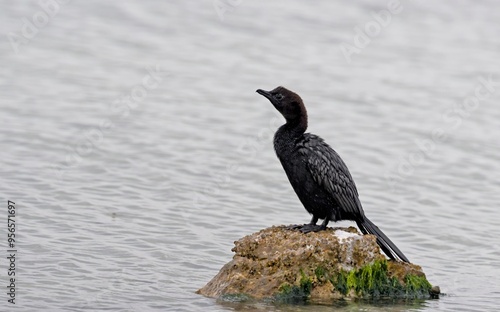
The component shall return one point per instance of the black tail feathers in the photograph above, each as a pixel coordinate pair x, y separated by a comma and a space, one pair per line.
387, 246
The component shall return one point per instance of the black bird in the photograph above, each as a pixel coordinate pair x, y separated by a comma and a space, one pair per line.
317, 173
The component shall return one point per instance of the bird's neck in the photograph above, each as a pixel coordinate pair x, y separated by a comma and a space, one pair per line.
296, 126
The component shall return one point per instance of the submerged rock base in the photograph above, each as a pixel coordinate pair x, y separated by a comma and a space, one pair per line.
286, 265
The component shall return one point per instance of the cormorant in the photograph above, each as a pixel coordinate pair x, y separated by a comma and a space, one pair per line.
317, 173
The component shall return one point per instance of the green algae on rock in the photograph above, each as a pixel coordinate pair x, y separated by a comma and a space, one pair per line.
286, 265
383, 279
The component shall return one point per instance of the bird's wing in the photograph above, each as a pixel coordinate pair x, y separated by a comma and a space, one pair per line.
330, 172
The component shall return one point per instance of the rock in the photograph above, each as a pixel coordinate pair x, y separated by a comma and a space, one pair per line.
435, 291
280, 264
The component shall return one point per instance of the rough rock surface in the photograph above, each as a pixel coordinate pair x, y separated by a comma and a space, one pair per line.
282, 264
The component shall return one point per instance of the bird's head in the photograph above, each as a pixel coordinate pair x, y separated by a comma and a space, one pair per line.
288, 103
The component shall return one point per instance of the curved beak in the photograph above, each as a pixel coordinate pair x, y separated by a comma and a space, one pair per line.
267, 94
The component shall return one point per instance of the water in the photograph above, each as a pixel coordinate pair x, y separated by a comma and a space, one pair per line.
137, 151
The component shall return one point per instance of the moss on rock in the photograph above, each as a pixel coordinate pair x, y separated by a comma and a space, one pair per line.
295, 293
376, 281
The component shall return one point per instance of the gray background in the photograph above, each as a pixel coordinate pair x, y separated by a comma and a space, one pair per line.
129, 198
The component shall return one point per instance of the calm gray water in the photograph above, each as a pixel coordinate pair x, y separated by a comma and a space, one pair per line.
136, 149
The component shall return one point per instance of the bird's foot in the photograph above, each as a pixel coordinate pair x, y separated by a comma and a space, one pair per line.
306, 228
295, 226
312, 228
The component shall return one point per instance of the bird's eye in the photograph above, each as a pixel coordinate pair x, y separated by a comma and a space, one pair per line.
278, 96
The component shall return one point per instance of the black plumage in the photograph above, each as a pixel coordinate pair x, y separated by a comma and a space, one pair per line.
317, 173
